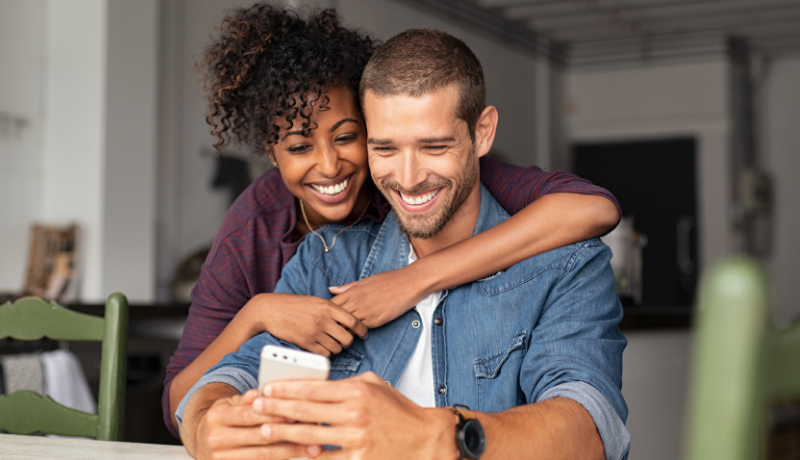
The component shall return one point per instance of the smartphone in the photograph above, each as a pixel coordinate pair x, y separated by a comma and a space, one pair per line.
278, 363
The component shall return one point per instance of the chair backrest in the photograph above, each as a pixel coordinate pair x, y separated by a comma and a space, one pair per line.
26, 412
741, 364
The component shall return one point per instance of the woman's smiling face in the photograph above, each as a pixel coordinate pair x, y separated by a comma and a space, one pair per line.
327, 167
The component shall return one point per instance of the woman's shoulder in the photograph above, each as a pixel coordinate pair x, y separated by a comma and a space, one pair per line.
266, 201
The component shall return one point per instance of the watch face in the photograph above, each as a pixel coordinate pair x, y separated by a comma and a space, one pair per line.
474, 438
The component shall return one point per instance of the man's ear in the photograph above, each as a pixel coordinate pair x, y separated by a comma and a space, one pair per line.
485, 130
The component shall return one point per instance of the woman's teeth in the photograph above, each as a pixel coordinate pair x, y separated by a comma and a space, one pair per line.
332, 189
422, 199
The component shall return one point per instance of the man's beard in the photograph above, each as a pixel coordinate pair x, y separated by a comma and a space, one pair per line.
425, 225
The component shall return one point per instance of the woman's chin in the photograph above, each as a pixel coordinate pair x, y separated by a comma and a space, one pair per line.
331, 214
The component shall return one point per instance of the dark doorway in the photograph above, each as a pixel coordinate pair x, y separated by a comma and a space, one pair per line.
655, 182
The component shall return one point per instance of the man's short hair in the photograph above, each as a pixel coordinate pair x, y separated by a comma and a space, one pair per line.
421, 61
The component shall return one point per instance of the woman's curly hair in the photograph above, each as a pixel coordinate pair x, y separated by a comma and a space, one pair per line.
268, 65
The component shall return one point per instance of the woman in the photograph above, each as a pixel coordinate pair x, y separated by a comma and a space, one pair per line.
288, 88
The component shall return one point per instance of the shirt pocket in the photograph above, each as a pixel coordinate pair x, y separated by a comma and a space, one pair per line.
497, 375
346, 364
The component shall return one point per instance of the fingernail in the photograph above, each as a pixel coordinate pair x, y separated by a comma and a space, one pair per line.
267, 391
266, 431
314, 450
258, 405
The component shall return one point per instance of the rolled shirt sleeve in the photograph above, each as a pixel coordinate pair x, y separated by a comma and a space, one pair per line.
616, 439
576, 347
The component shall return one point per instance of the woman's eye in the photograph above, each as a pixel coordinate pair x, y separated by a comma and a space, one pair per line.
347, 138
297, 149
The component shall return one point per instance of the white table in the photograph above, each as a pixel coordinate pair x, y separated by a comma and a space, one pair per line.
13, 447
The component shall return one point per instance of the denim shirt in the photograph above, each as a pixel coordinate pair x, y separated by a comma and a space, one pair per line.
544, 328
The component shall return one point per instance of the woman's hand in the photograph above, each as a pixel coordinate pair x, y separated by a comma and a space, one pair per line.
382, 297
312, 323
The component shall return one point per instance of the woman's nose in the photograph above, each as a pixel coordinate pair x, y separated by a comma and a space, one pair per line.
328, 163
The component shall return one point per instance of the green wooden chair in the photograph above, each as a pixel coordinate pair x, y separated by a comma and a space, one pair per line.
741, 364
25, 412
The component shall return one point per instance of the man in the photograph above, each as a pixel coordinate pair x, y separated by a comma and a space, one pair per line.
535, 350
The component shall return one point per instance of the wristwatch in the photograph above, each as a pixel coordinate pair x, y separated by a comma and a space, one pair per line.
470, 437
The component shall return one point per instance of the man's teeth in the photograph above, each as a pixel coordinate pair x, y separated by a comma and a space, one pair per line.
421, 199
332, 189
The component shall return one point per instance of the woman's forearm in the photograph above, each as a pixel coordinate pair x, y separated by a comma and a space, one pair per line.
237, 332
312, 323
548, 223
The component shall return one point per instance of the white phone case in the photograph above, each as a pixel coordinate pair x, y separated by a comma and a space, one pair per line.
279, 363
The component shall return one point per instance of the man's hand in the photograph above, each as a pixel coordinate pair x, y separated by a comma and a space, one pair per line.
367, 418
311, 323
231, 429
382, 297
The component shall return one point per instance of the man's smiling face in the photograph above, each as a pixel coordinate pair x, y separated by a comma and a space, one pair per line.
421, 157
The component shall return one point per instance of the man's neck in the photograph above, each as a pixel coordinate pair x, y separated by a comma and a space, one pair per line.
460, 227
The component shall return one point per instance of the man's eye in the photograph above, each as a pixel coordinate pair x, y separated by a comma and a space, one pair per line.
436, 147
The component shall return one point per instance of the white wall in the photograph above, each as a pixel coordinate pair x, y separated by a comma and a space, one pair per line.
85, 76
190, 212
21, 22
655, 376
780, 135
74, 136
657, 102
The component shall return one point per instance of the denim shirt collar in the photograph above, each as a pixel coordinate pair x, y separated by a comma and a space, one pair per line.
392, 246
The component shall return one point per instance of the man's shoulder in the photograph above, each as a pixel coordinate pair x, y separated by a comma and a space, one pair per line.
557, 262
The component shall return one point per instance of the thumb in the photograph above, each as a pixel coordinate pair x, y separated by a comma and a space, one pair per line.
341, 289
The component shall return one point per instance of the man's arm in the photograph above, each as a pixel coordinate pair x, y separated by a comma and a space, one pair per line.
369, 419
560, 427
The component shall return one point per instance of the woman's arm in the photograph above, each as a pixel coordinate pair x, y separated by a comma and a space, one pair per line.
549, 222
550, 210
311, 323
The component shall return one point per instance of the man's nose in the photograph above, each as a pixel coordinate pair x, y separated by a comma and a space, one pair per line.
410, 171
328, 163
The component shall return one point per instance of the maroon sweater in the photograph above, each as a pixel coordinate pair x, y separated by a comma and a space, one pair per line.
254, 243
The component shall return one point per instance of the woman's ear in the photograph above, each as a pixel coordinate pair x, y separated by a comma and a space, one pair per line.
272, 159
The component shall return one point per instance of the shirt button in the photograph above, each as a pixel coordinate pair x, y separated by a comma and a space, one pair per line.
415, 324
442, 389
438, 321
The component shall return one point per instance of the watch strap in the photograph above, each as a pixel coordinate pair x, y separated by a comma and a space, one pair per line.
464, 413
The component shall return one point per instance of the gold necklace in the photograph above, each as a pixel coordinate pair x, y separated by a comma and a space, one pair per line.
303, 209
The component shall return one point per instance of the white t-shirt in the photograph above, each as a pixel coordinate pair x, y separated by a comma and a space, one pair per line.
416, 383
